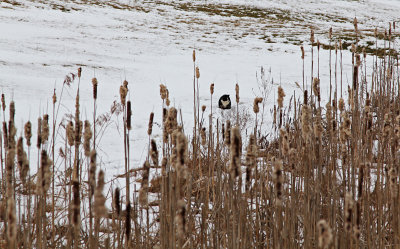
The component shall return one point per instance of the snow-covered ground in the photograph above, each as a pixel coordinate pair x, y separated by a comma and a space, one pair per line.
150, 43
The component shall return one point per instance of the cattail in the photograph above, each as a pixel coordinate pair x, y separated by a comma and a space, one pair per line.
12, 111
228, 133
154, 152
392, 174
316, 89
387, 126
203, 108
257, 101
129, 115
330, 33
318, 45
54, 97
39, 137
360, 180
163, 91
302, 52
376, 32
180, 219
274, 119
70, 133
150, 127
237, 92
278, 179
281, 95
223, 131
100, 209
44, 175
181, 147
358, 60
324, 234
123, 91
128, 222
94, 84
349, 206
194, 55
251, 159
78, 132
3, 102
167, 102
92, 172
318, 124
79, 72
203, 136
76, 203
356, 229
345, 128
45, 128
197, 72
312, 37
12, 222
145, 184
28, 133
341, 104
117, 203
285, 142
12, 131
22, 160
306, 122
212, 88
171, 122
5, 134
235, 152
355, 24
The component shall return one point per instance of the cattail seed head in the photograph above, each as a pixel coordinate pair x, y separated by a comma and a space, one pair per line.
341, 104
227, 133
171, 122
125, 84
70, 133
22, 160
92, 172
128, 222
180, 219
278, 179
316, 88
154, 152
79, 72
150, 126
94, 84
44, 175
39, 137
28, 133
100, 209
87, 137
235, 152
76, 203
54, 97
203, 136
197, 72
349, 206
12, 222
285, 142
302, 52
145, 184
212, 88
324, 234
12, 111
45, 128
306, 122
129, 115
281, 96
123, 91
203, 108
257, 101
237, 92
117, 203
3, 102
194, 55
163, 91
330, 33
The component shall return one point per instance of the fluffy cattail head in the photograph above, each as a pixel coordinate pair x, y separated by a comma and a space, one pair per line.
123, 91
197, 72
324, 234
235, 152
227, 134
70, 133
145, 184
44, 175
257, 101
45, 128
281, 96
180, 219
94, 84
163, 91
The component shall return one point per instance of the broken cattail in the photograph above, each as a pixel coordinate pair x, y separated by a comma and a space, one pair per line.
145, 184
45, 128
257, 101
180, 219
237, 92
116, 202
28, 133
129, 115
54, 97
94, 84
281, 95
154, 152
70, 133
235, 152
125, 84
324, 234
228, 133
203, 136
92, 172
197, 72
278, 178
100, 209
212, 88
39, 137
349, 206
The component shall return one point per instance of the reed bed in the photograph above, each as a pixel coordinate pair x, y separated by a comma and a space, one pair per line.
327, 176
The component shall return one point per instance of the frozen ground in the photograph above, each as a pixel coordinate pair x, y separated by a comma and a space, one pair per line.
151, 42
